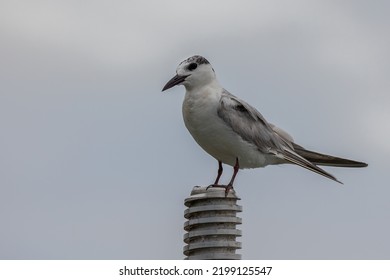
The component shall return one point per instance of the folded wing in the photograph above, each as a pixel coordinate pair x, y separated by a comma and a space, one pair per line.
252, 127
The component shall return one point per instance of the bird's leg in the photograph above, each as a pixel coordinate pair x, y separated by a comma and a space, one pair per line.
229, 186
235, 171
220, 170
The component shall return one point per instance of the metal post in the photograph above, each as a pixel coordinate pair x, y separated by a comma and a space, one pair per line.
211, 225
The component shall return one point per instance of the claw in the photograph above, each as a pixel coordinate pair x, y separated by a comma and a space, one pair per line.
227, 188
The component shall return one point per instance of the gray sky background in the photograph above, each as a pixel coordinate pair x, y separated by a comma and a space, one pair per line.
95, 161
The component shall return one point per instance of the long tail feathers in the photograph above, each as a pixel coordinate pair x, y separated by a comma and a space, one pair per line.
326, 160
299, 160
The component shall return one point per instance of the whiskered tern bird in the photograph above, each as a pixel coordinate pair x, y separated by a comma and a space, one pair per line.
235, 133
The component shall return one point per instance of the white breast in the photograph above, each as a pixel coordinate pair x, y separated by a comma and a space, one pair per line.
213, 134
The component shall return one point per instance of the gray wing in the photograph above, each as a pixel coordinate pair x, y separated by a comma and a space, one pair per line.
247, 122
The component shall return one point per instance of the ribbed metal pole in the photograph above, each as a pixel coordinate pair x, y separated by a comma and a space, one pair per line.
211, 225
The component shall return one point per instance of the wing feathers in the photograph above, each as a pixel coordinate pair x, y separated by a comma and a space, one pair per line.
296, 159
326, 160
252, 127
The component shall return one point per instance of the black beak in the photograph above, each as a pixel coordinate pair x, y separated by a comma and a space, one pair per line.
174, 81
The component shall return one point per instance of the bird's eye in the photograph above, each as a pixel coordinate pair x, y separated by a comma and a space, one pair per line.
192, 66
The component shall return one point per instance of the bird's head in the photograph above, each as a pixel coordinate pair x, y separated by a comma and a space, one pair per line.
193, 72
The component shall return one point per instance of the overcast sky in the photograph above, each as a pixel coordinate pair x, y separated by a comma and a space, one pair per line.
95, 162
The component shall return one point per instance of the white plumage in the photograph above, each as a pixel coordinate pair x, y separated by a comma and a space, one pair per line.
235, 133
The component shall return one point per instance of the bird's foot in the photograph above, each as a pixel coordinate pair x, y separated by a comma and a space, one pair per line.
227, 188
